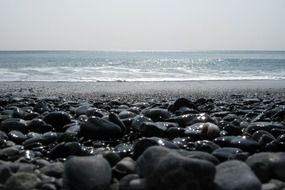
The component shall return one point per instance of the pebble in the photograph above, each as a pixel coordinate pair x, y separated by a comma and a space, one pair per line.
143, 144
234, 175
97, 128
57, 119
22, 181
166, 169
268, 165
87, 173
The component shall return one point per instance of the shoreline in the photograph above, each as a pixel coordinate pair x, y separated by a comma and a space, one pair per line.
144, 89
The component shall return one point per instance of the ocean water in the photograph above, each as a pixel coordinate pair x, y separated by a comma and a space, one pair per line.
141, 66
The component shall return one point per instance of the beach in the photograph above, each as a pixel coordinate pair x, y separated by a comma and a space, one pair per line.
142, 135
91, 90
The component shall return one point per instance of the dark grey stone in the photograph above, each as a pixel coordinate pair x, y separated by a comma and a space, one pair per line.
235, 175
100, 128
22, 181
88, 173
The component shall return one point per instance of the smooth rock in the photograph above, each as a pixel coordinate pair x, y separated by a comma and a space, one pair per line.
53, 169
156, 114
88, 173
235, 175
267, 165
22, 181
14, 124
166, 169
97, 128
182, 102
228, 153
206, 130
57, 119
138, 121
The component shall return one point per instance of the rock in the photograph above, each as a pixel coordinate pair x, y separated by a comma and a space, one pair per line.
88, 173
235, 175
64, 150
112, 157
166, 169
123, 149
150, 129
190, 119
41, 107
251, 101
229, 153
3, 135
142, 144
10, 153
14, 124
266, 126
138, 121
206, 130
5, 172
38, 125
17, 136
125, 166
245, 143
206, 146
156, 114
199, 155
97, 128
22, 181
53, 170
126, 114
81, 109
267, 165
115, 119
125, 181
182, 102
57, 119
273, 185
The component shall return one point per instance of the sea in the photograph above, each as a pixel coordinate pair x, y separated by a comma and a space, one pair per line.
96, 66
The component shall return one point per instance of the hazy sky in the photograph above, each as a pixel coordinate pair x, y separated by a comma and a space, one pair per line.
142, 24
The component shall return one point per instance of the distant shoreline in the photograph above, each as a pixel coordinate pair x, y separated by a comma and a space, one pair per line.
131, 90
149, 51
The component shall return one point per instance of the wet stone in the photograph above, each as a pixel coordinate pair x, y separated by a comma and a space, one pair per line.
138, 121
206, 130
150, 129
229, 153
245, 143
126, 114
206, 146
38, 125
156, 114
14, 124
97, 128
142, 144
57, 119
182, 102
17, 136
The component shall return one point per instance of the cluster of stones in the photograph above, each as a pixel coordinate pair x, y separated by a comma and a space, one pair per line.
53, 144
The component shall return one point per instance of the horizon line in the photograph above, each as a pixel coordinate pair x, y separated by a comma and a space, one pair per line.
138, 51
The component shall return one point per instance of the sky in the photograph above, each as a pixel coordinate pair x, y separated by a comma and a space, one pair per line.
127, 25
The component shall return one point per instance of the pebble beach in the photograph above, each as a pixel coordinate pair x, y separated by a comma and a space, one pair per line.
198, 135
